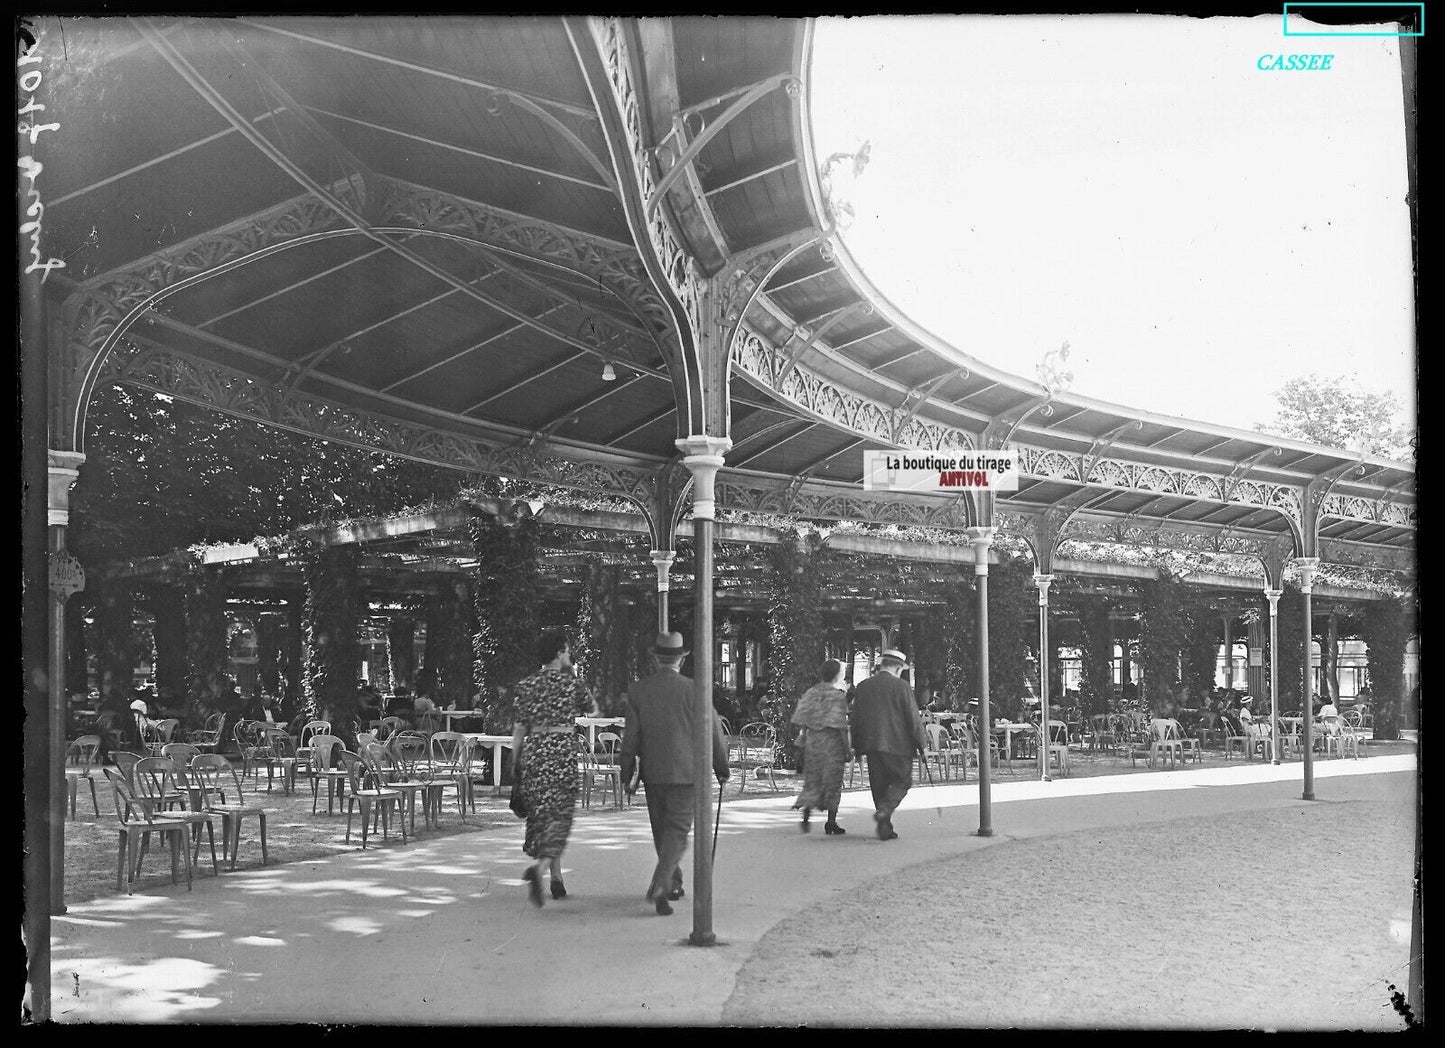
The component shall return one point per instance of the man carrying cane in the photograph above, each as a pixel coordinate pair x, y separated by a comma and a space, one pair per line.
886, 726
657, 748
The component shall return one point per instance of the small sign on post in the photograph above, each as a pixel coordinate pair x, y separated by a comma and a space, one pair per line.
1256, 657
940, 471
66, 574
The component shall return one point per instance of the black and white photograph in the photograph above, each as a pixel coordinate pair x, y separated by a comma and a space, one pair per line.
720, 521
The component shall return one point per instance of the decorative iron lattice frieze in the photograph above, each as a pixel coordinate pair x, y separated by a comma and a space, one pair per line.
1355, 554
1117, 473
1375, 511
1143, 535
760, 361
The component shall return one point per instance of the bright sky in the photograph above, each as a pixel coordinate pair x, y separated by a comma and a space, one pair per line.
1198, 230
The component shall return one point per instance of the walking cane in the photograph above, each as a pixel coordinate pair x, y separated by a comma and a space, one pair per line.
938, 810
717, 822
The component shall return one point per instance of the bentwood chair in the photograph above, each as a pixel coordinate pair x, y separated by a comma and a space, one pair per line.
212, 770
159, 733
180, 752
402, 763
323, 750
604, 765
79, 759
756, 751
208, 737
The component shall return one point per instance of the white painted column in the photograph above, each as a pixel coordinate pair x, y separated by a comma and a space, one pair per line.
1273, 595
662, 561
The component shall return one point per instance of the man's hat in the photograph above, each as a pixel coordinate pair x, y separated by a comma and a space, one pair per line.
670, 644
895, 655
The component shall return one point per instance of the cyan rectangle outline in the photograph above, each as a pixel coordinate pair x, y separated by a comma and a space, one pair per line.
1298, 6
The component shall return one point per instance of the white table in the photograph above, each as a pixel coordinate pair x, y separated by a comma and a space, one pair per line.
459, 715
593, 723
496, 742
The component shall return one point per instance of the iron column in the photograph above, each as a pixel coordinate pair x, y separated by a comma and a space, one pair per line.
703, 456
980, 539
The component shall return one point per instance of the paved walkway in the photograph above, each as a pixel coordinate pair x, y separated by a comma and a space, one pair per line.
440, 931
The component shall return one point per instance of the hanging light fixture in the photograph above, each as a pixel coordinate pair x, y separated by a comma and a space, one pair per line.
609, 374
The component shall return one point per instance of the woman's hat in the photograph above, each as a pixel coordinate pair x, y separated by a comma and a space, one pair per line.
1246, 700
894, 655
670, 644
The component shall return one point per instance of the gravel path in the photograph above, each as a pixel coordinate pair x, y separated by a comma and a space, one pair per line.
1113, 928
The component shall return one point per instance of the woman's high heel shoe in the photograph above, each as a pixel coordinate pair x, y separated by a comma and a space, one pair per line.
559, 890
831, 828
804, 825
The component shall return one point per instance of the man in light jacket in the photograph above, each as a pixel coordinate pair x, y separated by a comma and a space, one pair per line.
657, 747
887, 727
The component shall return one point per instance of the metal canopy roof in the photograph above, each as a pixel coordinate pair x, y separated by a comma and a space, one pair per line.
409, 234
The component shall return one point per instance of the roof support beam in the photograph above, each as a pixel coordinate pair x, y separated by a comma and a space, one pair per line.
329, 271
309, 362
222, 106
691, 150
453, 357
819, 463
638, 427
587, 403
827, 325
739, 463
571, 109
158, 160
862, 338
738, 177
775, 288
477, 154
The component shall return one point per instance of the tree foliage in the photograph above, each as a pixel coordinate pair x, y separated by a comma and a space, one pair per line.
1386, 631
161, 474
1336, 411
507, 597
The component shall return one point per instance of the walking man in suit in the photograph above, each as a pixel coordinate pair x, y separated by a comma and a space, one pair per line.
887, 727
657, 747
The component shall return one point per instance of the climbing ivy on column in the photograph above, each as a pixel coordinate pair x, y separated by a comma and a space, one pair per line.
1290, 658
206, 653
448, 661
1202, 648
1013, 627
507, 593
401, 648
1164, 631
604, 642
795, 630
333, 613
959, 621
1385, 629
167, 605
1096, 652
269, 626
114, 637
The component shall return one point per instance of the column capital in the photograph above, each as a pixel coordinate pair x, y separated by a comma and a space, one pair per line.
703, 457
981, 539
1273, 595
662, 561
1307, 568
63, 468
1043, 581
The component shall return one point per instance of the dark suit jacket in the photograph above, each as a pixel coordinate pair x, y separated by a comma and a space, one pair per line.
660, 729
885, 718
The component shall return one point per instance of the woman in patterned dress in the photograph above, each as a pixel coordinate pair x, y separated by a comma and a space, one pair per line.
822, 713
546, 704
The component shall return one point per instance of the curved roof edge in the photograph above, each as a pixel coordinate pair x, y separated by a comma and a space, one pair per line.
853, 272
